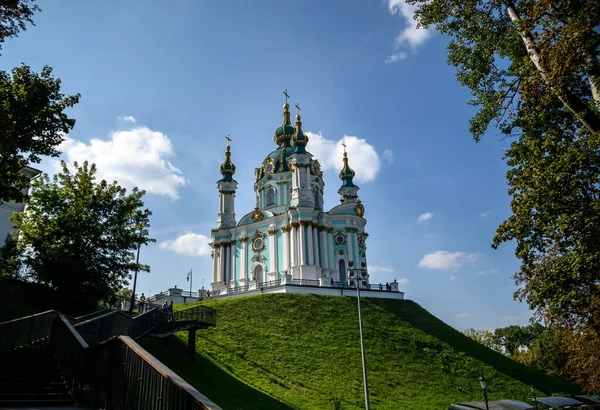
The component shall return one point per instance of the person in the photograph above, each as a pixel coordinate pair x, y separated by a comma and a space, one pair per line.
165, 307
387, 286
208, 294
142, 302
171, 307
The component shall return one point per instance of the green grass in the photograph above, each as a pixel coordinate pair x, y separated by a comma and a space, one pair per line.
304, 350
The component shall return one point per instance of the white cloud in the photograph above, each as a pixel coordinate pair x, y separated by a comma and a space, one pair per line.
362, 157
388, 156
403, 281
411, 36
453, 277
191, 244
484, 214
487, 272
445, 260
379, 269
425, 217
134, 157
129, 118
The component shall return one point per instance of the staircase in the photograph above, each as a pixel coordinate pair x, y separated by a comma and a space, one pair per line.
29, 377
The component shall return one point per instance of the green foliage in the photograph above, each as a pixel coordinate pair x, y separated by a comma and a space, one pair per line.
533, 68
14, 16
10, 262
80, 236
484, 337
304, 350
32, 124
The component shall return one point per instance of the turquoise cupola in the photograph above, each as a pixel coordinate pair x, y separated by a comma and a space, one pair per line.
285, 132
300, 139
347, 173
227, 167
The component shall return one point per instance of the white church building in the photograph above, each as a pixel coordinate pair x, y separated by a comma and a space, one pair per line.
288, 241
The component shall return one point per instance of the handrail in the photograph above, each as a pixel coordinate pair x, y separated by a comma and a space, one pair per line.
27, 330
170, 375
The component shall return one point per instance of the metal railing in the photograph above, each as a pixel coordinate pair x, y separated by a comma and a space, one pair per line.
119, 374
27, 330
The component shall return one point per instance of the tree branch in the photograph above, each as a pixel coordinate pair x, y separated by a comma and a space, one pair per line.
587, 117
593, 74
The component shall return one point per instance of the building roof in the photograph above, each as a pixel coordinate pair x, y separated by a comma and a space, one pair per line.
558, 401
593, 399
493, 405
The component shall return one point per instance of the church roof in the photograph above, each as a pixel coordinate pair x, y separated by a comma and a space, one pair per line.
347, 173
300, 139
227, 168
284, 133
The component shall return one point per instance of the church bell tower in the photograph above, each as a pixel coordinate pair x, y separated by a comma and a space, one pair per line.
227, 187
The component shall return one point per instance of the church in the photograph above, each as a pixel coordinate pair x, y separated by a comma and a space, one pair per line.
288, 237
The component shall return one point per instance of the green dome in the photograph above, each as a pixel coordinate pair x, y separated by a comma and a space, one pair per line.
347, 173
284, 133
227, 168
276, 162
300, 139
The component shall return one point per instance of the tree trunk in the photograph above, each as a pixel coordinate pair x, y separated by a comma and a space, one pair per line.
587, 117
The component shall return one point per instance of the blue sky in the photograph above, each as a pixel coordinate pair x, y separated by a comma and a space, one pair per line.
162, 83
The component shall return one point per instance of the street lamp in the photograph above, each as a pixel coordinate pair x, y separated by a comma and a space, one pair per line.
137, 262
533, 392
483, 384
360, 325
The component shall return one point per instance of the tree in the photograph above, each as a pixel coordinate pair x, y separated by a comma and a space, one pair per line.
484, 337
533, 69
32, 118
14, 14
80, 236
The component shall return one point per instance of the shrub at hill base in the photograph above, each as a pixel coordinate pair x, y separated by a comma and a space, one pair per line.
304, 350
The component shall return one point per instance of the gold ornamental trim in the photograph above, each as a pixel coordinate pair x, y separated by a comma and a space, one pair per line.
243, 239
285, 228
272, 231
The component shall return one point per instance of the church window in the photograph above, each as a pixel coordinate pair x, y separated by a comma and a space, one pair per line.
302, 178
258, 244
316, 197
270, 197
342, 270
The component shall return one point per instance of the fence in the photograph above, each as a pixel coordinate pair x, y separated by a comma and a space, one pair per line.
119, 374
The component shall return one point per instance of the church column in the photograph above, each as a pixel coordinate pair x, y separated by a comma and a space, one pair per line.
356, 246
272, 252
232, 251
324, 247
301, 246
243, 258
350, 244
309, 247
222, 263
330, 250
213, 256
228, 262
285, 229
316, 252
294, 244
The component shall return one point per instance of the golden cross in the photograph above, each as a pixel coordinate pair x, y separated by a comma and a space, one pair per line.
344, 144
286, 95
228, 139
298, 108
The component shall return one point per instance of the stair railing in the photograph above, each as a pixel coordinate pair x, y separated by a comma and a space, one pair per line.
120, 374
26, 330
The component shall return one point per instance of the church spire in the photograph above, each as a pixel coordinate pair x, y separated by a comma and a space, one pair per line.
347, 173
227, 168
284, 133
300, 139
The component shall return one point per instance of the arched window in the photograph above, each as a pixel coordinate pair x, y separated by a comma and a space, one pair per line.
317, 198
258, 273
342, 270
270, 197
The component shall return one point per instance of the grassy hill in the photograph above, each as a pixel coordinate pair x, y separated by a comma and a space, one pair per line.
304, 351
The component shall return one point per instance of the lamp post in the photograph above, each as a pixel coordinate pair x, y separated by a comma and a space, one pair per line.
362, 341
189, 278
137, 268
483, 384
533, 392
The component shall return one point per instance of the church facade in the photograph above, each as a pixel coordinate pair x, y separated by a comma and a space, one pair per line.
288, 237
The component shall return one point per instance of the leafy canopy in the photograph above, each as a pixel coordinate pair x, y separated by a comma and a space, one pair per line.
533, 69
80, 236
32, 110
